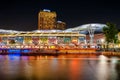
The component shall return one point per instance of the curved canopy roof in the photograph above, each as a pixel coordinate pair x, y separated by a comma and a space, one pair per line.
82, 29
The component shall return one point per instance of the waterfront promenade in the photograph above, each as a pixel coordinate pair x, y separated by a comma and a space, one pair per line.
56, 52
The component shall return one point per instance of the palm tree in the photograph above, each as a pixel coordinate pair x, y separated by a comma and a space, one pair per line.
110, 32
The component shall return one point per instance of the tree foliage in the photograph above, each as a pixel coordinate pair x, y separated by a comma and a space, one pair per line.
110, 32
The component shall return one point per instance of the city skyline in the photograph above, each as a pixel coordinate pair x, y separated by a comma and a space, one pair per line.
23, 15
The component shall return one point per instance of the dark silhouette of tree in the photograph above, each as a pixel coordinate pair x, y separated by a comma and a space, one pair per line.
110, 32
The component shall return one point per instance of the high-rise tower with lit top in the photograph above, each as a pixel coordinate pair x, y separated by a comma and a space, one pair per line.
46, 20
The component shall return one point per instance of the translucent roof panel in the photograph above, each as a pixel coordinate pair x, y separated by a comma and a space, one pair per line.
82, 28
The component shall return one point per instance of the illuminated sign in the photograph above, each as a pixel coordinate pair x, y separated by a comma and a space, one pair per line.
35, 40
52, 40
67, 39
60, 40
27, 39
74, 40
43, 40
19, 39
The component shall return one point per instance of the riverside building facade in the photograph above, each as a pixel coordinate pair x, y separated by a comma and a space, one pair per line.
42, 39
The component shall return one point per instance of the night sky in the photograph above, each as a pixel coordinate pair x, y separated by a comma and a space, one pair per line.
22, 15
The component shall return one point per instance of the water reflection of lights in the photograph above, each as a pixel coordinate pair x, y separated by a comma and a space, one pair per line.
106, 70
102, 69
46, 57
24, 57
14, 56
1, 56
102, 58
113, 72
54, 65
114, 60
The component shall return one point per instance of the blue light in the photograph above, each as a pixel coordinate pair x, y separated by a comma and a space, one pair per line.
14, 56
25, 51
14, 51
18, 51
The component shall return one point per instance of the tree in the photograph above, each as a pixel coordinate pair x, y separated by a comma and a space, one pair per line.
110, 32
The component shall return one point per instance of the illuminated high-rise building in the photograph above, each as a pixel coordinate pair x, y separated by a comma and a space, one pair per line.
46, 20
61, 25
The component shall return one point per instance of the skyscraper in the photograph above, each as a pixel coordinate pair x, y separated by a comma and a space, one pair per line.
46, 20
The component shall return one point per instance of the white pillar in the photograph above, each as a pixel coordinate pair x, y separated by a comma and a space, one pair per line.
91, 33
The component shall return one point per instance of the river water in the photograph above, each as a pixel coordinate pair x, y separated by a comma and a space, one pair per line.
63, 67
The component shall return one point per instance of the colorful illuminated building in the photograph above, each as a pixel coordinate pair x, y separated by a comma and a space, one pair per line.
71, 37
41, 38
98, 37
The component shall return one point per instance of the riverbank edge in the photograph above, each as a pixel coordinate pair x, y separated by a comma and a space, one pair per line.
50, 54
